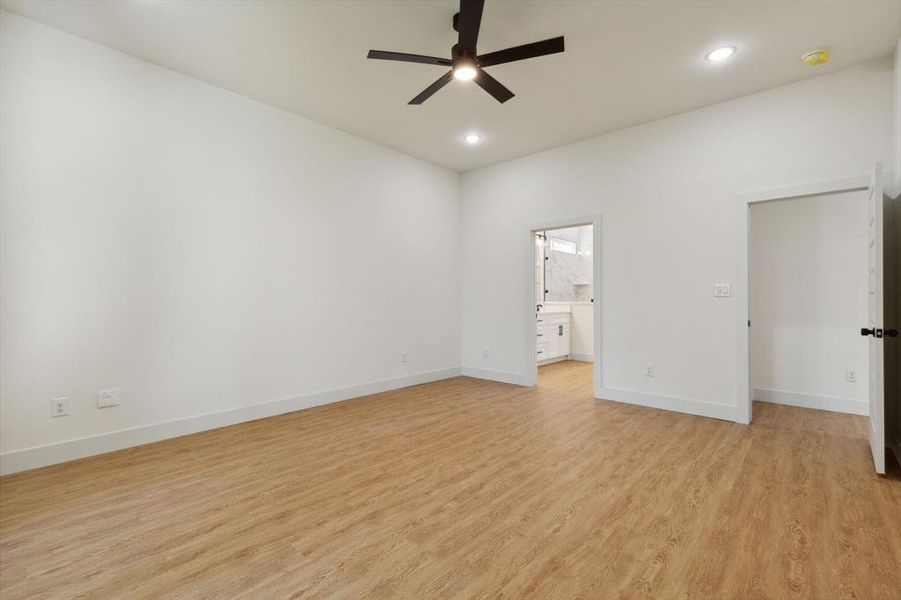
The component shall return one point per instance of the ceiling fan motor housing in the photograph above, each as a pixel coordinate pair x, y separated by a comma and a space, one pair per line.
459, 54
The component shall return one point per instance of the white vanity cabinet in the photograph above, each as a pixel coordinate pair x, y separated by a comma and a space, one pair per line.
552, 335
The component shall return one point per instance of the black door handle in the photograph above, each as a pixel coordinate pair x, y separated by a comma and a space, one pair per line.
876, 332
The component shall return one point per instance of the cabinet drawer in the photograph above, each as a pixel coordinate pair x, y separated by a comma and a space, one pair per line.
552, 319
541, 351
554, 330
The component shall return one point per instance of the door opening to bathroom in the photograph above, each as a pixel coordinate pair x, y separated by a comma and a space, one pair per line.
564, 293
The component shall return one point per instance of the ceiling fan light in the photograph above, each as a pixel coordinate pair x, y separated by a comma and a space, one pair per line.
465, 72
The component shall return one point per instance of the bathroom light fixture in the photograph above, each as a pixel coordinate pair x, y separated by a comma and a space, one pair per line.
472, 138
720, 54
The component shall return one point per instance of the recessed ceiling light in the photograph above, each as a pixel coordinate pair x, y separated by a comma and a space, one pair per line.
465, 72
721, 53
472, 138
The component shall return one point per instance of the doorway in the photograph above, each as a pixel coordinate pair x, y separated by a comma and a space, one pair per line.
565, 310
808, 299
875, 328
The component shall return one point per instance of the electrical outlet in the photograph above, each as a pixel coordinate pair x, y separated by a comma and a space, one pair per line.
107, 398
850, 375
722, 290
484, 352
59, 407
649, 370
403, 357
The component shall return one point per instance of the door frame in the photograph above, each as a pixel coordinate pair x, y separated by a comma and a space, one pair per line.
744, 402
597, 256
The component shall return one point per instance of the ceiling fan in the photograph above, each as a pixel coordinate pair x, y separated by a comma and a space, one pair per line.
466, 64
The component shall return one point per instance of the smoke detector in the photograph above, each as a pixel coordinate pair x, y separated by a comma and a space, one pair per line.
816, 58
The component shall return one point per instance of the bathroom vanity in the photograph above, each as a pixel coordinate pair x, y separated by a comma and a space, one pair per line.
552, 336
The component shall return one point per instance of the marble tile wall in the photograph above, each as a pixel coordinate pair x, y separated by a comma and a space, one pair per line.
568, 277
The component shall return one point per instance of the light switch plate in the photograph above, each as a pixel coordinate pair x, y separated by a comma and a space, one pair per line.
107, 398
722, 290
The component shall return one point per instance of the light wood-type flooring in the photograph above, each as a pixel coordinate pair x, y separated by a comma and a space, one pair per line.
467, 489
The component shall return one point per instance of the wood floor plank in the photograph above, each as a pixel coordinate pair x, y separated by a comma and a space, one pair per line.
470, 489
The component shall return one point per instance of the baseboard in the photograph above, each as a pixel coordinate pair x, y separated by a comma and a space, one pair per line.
500, 376
41, 456
551, 361
582, 357
830, 403
725, 412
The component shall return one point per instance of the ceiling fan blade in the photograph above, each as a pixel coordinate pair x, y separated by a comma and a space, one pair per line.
470, 21
493, 87
551, 46
427, 93
413, 58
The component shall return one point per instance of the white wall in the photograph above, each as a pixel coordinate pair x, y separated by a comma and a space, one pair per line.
667, 192
808, 271
894, 184
200, 251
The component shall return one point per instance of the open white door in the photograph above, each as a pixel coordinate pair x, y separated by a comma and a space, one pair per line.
874, 320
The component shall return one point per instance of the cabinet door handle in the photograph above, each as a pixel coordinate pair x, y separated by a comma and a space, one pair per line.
559, 329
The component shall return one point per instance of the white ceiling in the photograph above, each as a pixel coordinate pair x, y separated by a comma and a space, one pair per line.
625, 62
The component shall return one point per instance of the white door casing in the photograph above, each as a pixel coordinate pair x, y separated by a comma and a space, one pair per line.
875, 318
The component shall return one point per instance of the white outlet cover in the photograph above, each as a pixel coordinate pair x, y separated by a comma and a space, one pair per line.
649, 371
59, 407
107, 398
850, 375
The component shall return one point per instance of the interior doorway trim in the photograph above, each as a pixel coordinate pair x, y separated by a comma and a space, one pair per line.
744, 401
597, 291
